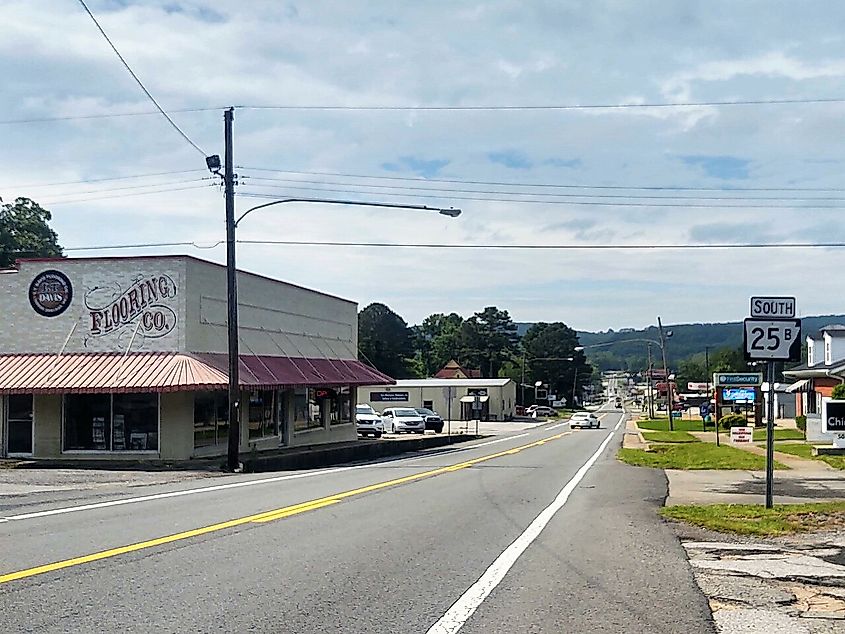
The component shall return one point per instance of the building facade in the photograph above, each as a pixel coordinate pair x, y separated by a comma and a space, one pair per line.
126, 358
497, 397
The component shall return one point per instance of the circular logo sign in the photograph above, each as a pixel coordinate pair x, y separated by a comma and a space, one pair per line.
50, 293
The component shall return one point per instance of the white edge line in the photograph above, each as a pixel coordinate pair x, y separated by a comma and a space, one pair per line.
462, 609
556, 426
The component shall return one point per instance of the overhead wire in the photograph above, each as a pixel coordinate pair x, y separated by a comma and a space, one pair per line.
103, 179
130, 187
139, 82
550, 185
125, 195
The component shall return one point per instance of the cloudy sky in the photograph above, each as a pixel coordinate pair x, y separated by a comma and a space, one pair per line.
744, 163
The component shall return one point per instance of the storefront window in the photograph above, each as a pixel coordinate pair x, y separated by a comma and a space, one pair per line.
135, 422
307, 413
111, 422
340, 411
262, 422
20, 423
87, 421
211, 419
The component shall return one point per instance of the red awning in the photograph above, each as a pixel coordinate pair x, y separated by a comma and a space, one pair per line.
171, 372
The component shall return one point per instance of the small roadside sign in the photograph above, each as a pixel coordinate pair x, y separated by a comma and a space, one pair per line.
742, 435
772, 339
773, 307
738, 378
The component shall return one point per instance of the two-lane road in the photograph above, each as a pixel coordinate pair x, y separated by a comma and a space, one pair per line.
536, 532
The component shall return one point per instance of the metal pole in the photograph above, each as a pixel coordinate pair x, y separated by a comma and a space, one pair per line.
522, 383
650, 385
669, 400
770, 437
233, 463
574, 384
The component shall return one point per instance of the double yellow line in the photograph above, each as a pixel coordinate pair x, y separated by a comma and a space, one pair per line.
259, 518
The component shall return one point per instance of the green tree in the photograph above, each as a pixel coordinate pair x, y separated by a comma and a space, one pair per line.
728, 360
838, 392
24, 232
547, 348
437, 340
385, 340
487, 340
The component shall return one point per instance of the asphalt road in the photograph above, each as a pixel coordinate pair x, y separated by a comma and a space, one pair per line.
540, 531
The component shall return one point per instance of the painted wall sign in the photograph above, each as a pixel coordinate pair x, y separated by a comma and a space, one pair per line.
141, 305
385, 397
50, 293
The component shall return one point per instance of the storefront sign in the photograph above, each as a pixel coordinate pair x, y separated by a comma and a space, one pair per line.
738, 378
833, 416
742, 435
141, 304
697, 387
50, 293
389, 397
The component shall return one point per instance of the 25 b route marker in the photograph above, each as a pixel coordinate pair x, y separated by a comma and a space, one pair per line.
773, 339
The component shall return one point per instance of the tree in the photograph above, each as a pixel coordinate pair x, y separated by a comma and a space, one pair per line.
838, 392
437, 340
487, 340
547, 348
24, 232
385, 340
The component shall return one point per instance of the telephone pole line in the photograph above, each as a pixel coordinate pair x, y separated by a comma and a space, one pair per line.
232, 462
669, 400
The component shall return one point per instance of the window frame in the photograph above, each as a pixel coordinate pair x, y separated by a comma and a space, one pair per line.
7, 417
274, 416
111, 450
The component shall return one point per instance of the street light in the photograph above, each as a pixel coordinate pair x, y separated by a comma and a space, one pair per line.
233, 462
522, 381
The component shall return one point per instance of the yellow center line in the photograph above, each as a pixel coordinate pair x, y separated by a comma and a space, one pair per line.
265, 516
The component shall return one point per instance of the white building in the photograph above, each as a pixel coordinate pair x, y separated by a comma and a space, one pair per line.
126, 358
497, 397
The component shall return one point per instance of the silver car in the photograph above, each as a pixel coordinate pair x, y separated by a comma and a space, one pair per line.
368, 421
402, 419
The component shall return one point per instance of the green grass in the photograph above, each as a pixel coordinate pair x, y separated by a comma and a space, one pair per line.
701, 455
780, 434
662, 424
669, 436
805, 451
750, 519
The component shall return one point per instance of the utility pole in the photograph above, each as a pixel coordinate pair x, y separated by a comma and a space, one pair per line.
770, 437
669, 400
707, 370
650, 387
522, 383
233, 462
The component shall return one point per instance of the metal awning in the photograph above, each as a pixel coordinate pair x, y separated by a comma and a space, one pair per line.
471, 399
79, 373
798, 386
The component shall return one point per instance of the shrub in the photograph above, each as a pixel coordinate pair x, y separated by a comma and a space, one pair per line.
838, 393
733, 420
801, 422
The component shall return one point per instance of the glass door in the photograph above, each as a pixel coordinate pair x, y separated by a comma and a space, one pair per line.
19, 415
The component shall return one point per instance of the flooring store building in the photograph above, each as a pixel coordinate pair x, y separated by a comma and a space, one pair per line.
125, 358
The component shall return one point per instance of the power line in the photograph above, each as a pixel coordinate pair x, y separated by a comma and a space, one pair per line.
103, 179
96, 198
551, 185
140, 83
128, 187
589, 203
517, 193
106, 115
488, 246
604, 106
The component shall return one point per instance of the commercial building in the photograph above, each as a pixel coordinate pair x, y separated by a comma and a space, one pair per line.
125, 358
497, 397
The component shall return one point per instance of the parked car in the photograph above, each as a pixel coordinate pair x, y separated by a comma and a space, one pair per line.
432, 419
402, 419
584, 419
541, 411
368, 421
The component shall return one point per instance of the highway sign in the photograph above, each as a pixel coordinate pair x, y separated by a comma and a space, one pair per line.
773, 307
773, 339
738, 378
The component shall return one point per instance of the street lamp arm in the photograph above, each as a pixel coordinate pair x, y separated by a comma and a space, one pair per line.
450, 211
613, 343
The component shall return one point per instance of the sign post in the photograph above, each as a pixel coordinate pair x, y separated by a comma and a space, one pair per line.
772, 334
449, 394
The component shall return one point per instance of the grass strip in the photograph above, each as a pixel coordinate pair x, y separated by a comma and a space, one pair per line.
669, 436
753, 519
700, 455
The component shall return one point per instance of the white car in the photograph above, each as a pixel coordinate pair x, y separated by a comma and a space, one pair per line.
403, 419
584, 419
368, 421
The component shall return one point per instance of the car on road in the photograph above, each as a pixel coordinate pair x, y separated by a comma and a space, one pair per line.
584, 419
402, 419
368, 421
433, 420
541, 411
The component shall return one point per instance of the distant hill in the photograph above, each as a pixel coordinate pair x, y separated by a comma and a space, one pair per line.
687, 340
